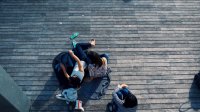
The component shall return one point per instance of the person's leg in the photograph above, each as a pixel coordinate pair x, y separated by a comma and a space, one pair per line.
81, 47
88, 45
84, 46
79, 52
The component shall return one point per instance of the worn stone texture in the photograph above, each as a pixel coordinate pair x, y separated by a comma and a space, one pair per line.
154, 46
12, 99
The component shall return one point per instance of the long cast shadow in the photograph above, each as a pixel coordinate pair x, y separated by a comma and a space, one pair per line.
194, 97
94, 89
46, 100
193, 104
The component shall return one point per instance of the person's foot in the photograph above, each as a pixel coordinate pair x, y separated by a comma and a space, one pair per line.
92, 42
73, 36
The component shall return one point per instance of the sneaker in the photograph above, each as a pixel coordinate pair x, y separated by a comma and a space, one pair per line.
73, 36
60, 97
78, 105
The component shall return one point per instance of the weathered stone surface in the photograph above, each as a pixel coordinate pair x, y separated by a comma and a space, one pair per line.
154, 46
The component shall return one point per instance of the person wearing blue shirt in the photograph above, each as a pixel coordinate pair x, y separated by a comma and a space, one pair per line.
123, 100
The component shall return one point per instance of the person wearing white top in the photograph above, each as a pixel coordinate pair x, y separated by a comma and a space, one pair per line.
78, 71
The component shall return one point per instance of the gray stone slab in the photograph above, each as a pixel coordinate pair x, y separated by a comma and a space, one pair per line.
12, 99
153, 46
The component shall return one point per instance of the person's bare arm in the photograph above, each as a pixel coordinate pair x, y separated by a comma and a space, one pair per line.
80, 66
64, 71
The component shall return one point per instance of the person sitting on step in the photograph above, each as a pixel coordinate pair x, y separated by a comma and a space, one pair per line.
123, 100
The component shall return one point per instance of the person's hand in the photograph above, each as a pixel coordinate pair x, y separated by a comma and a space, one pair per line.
124, 85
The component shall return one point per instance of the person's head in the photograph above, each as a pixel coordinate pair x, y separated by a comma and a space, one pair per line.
130, 101
95, 58
75, 81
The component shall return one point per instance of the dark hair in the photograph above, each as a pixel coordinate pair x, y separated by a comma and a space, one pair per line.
95, 58
75, 81
130, 101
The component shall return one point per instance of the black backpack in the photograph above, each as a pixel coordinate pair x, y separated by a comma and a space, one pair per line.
197, 80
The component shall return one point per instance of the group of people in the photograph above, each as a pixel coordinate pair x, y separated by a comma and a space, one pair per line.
80, 64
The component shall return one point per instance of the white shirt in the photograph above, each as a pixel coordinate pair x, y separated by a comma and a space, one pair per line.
78, 73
